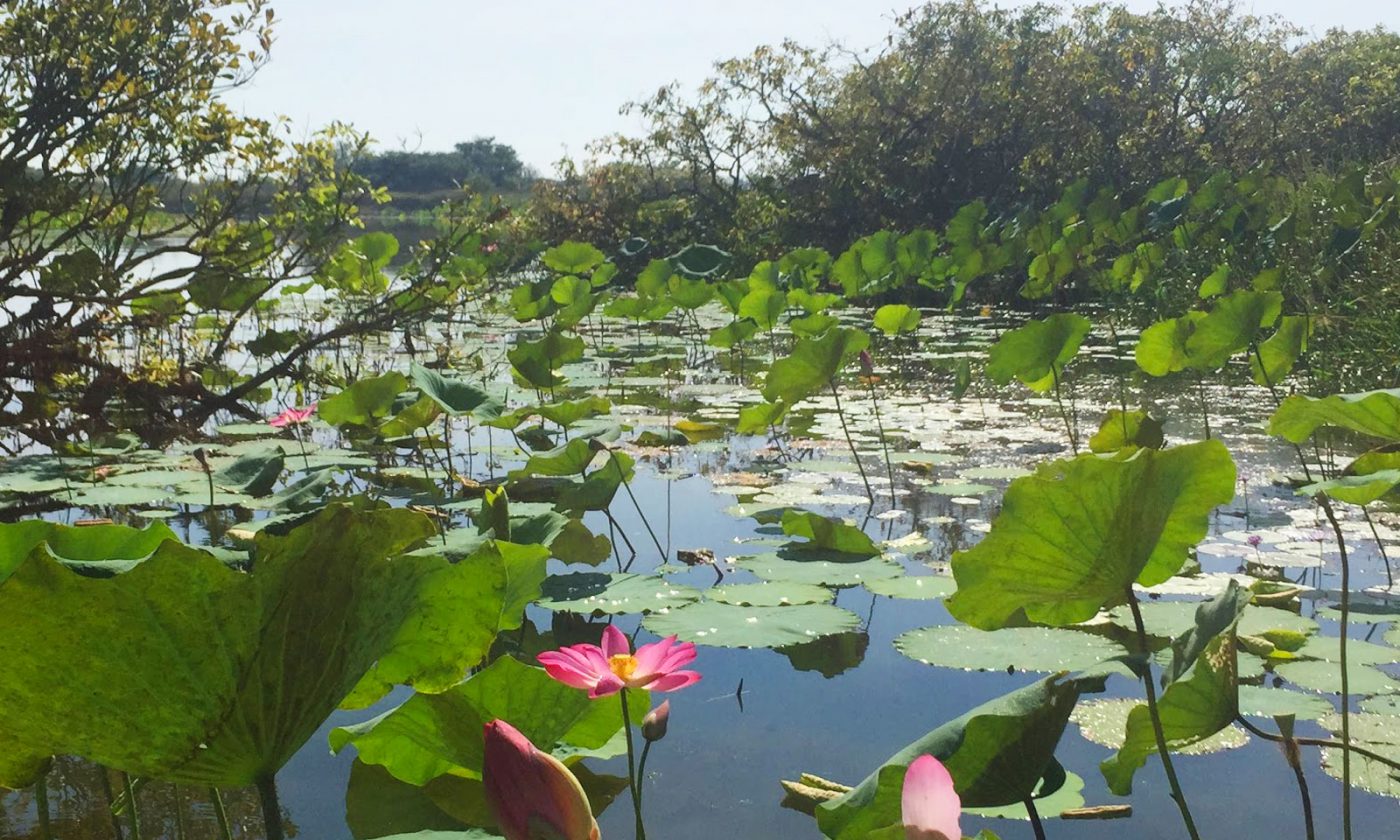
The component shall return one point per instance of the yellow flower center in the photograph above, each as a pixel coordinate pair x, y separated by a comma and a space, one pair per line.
623, 665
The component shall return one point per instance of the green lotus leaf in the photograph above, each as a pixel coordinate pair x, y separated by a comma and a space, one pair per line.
1325, 677
1280, 351
246, 666
1231, 326
753, 419
821, 568
600, 593
1379, 733
997, 754
1036, 353
419, 414
701, 261
253, 474
536, 361
728, 625
1257, 701
827, 533
913, 587
1215, 283
689, 293
364, 401
1356, 489
572, 257
1374, 413
94, 550
1161, 349
1200, 698
455, 396
867, 265
570, 459
1045, 649
1104, 722
432, 735
1075, 535
732, 334
812, 365
763, 306
1120, 430
769, 594
897, 319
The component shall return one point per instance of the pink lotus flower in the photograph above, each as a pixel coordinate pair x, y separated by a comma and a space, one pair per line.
609, 669
293, 417
930, 805
1254, 540
530, 792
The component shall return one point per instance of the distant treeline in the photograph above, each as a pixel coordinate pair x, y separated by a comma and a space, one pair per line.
421, 179
795, 145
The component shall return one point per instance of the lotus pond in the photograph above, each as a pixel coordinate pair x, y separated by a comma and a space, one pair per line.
340, 601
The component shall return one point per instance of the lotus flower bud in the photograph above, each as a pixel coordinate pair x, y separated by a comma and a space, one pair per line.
1254, 540
202, 458
654, 724
530, 792
867, 363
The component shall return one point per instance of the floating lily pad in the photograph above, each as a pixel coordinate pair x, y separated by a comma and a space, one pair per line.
1329, 648
1378, 733
1325, 677
1172, 618
1104, 722
725, 625
1385, 704
992, 473
821, 572
769, 594
914, 587
613, 594
957, 489
1069, 796
1258, 701
1022, 648
248, 430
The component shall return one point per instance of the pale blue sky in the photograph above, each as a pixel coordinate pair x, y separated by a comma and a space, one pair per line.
547, 76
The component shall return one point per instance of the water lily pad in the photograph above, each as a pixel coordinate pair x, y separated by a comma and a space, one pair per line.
1258, 701
822, 572
992, 473
1105, 721
1020, 648
769, 594
1172, 618
1325, 678
726, 625
914, 587
959, 489
614, 594
1069, 796
248, 430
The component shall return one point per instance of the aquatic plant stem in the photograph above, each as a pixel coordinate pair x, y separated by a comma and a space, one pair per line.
1151, 690
1035, 818
870, 494
271, 808
1064, 415
106, 778
626, 485
633, 782
642, 767
884, 444
1380, 546
41, 804
1342, 655
132, 815
1325, 743
1205, 407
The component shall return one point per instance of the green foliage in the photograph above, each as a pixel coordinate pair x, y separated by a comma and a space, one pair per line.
1037, 353
364, 401
812, 365
1374, 413
897, 319
455, 396
1119, 431
826, 533
1078, 533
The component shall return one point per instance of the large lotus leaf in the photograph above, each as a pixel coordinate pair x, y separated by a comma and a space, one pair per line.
812, 365
254, 473
1121, 430
757, 419
1281, 350
821, 568
419, 414
701, 261
91, 549
1375, 413
770, 594
764, 306
866, 265
1325, 677
1104, 722
1075, 535
1037, 352
896, 319
1356, 489
735, 333
996, 753
537, 361
825, 532
378, 806
363, 401
572, 257
614, 594
433, 735
727, 625
1011, 648
570, 459
210, 676
913, 587
461, 607
1231, 326
1379, 733
455, 396
1201, 696
1161, 349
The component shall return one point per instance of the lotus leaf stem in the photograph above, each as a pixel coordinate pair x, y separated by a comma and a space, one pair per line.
1035, 818
633, 782
870, 494
271, 808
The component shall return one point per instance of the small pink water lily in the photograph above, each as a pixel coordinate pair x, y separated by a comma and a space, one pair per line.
293, 417
530, 792
930, 806
612, 667
1254, 540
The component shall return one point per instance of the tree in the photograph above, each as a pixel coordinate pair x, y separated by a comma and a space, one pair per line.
136, 208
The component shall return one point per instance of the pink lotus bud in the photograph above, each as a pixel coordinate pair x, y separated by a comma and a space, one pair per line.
654, 724
929, 804
1254, 540
867, 363
530, 792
